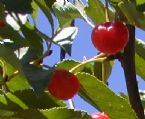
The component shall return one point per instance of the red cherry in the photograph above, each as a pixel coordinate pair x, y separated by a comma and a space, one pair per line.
63, 84
99, 115
2, 24
110, 37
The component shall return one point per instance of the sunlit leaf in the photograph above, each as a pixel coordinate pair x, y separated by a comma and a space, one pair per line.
100, 96
8, 56
140, 58
65, 13
65, 38
54, 113
140, 5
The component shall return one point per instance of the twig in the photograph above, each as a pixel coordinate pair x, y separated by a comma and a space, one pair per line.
106, 11
94, 59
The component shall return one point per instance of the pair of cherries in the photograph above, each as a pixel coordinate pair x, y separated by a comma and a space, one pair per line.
109, 38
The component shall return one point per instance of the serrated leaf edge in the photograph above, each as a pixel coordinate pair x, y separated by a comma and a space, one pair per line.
81, 73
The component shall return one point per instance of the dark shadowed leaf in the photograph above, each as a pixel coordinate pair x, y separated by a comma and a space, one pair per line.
32, 37
8, 32
36, 75
28, 99
2, 13
103, 70
133, 16
44, 6
18, 6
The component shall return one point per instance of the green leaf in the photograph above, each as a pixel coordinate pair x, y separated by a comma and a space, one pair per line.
11, 65
116, 1
9, 117
50, 3
2, 12
8, 32
19, 82
68, 64
9, 57
98, 94
140, 66
133, 16
106, 70
27, 99
64, 37
18, 6
81, 8
35, 12
36, 75
142, 95
140, 5
103, 70
140, 58
65, 13
96, 11
139, 2
32, 37
46, 10
5, 113
140, 47
54, 113
124, 96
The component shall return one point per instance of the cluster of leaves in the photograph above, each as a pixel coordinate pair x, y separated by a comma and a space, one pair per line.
23, 78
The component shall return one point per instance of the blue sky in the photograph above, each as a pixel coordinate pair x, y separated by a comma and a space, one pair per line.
82, 46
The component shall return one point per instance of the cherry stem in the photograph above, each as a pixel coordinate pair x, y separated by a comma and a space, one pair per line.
106, 11
94, 59
71, 104
103, 72
4, 69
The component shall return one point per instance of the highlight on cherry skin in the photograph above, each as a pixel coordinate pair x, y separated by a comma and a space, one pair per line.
99, 115
63, 84
110, 37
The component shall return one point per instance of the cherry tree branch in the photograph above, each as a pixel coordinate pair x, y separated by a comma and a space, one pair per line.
128, 64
